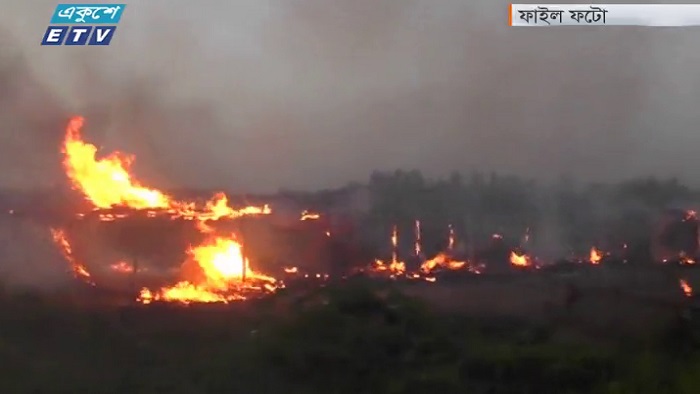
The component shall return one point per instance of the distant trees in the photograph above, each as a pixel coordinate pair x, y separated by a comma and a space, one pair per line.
478, 205
565, 215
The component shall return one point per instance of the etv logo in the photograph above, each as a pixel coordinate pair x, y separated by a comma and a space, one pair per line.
82, 17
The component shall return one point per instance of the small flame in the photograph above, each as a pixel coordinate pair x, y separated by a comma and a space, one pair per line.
307, 215
394, 245
417, 247
122, 267
685, 259
185, 293
441, 261
520, 260
79, 270
595, 256
450, 238
687, 290
394, 267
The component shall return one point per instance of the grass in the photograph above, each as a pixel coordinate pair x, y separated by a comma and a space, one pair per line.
357, 337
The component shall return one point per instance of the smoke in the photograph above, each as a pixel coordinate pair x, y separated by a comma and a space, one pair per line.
253, 96
29, 259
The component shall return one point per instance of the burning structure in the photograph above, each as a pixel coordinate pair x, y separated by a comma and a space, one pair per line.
205, 250
213, 270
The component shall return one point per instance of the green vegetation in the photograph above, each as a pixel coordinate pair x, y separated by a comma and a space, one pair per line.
355, 338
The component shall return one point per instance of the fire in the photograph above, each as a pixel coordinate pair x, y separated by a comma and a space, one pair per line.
184, 292
307, 215
394, 267
687, 290
520, 260
595, 256
441, 261
122, 267
451, 238
218, 208
291, 270
417, 246
219, 273
685, 259
107, 183
221, 260
79, 270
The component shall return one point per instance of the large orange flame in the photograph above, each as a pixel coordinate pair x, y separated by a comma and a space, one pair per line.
107, 183
221, 274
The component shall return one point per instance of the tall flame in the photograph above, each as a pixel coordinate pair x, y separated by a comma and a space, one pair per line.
106, 182
417, 247
394, 245
451, 238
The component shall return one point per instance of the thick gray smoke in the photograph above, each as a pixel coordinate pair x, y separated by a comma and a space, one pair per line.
252, 95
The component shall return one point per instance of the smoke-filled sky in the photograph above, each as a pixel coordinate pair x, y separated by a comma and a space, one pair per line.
252, 95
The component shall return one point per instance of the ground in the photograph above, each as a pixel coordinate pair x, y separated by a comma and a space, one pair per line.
355, 337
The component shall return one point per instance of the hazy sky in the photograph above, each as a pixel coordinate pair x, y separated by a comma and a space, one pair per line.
256, 95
